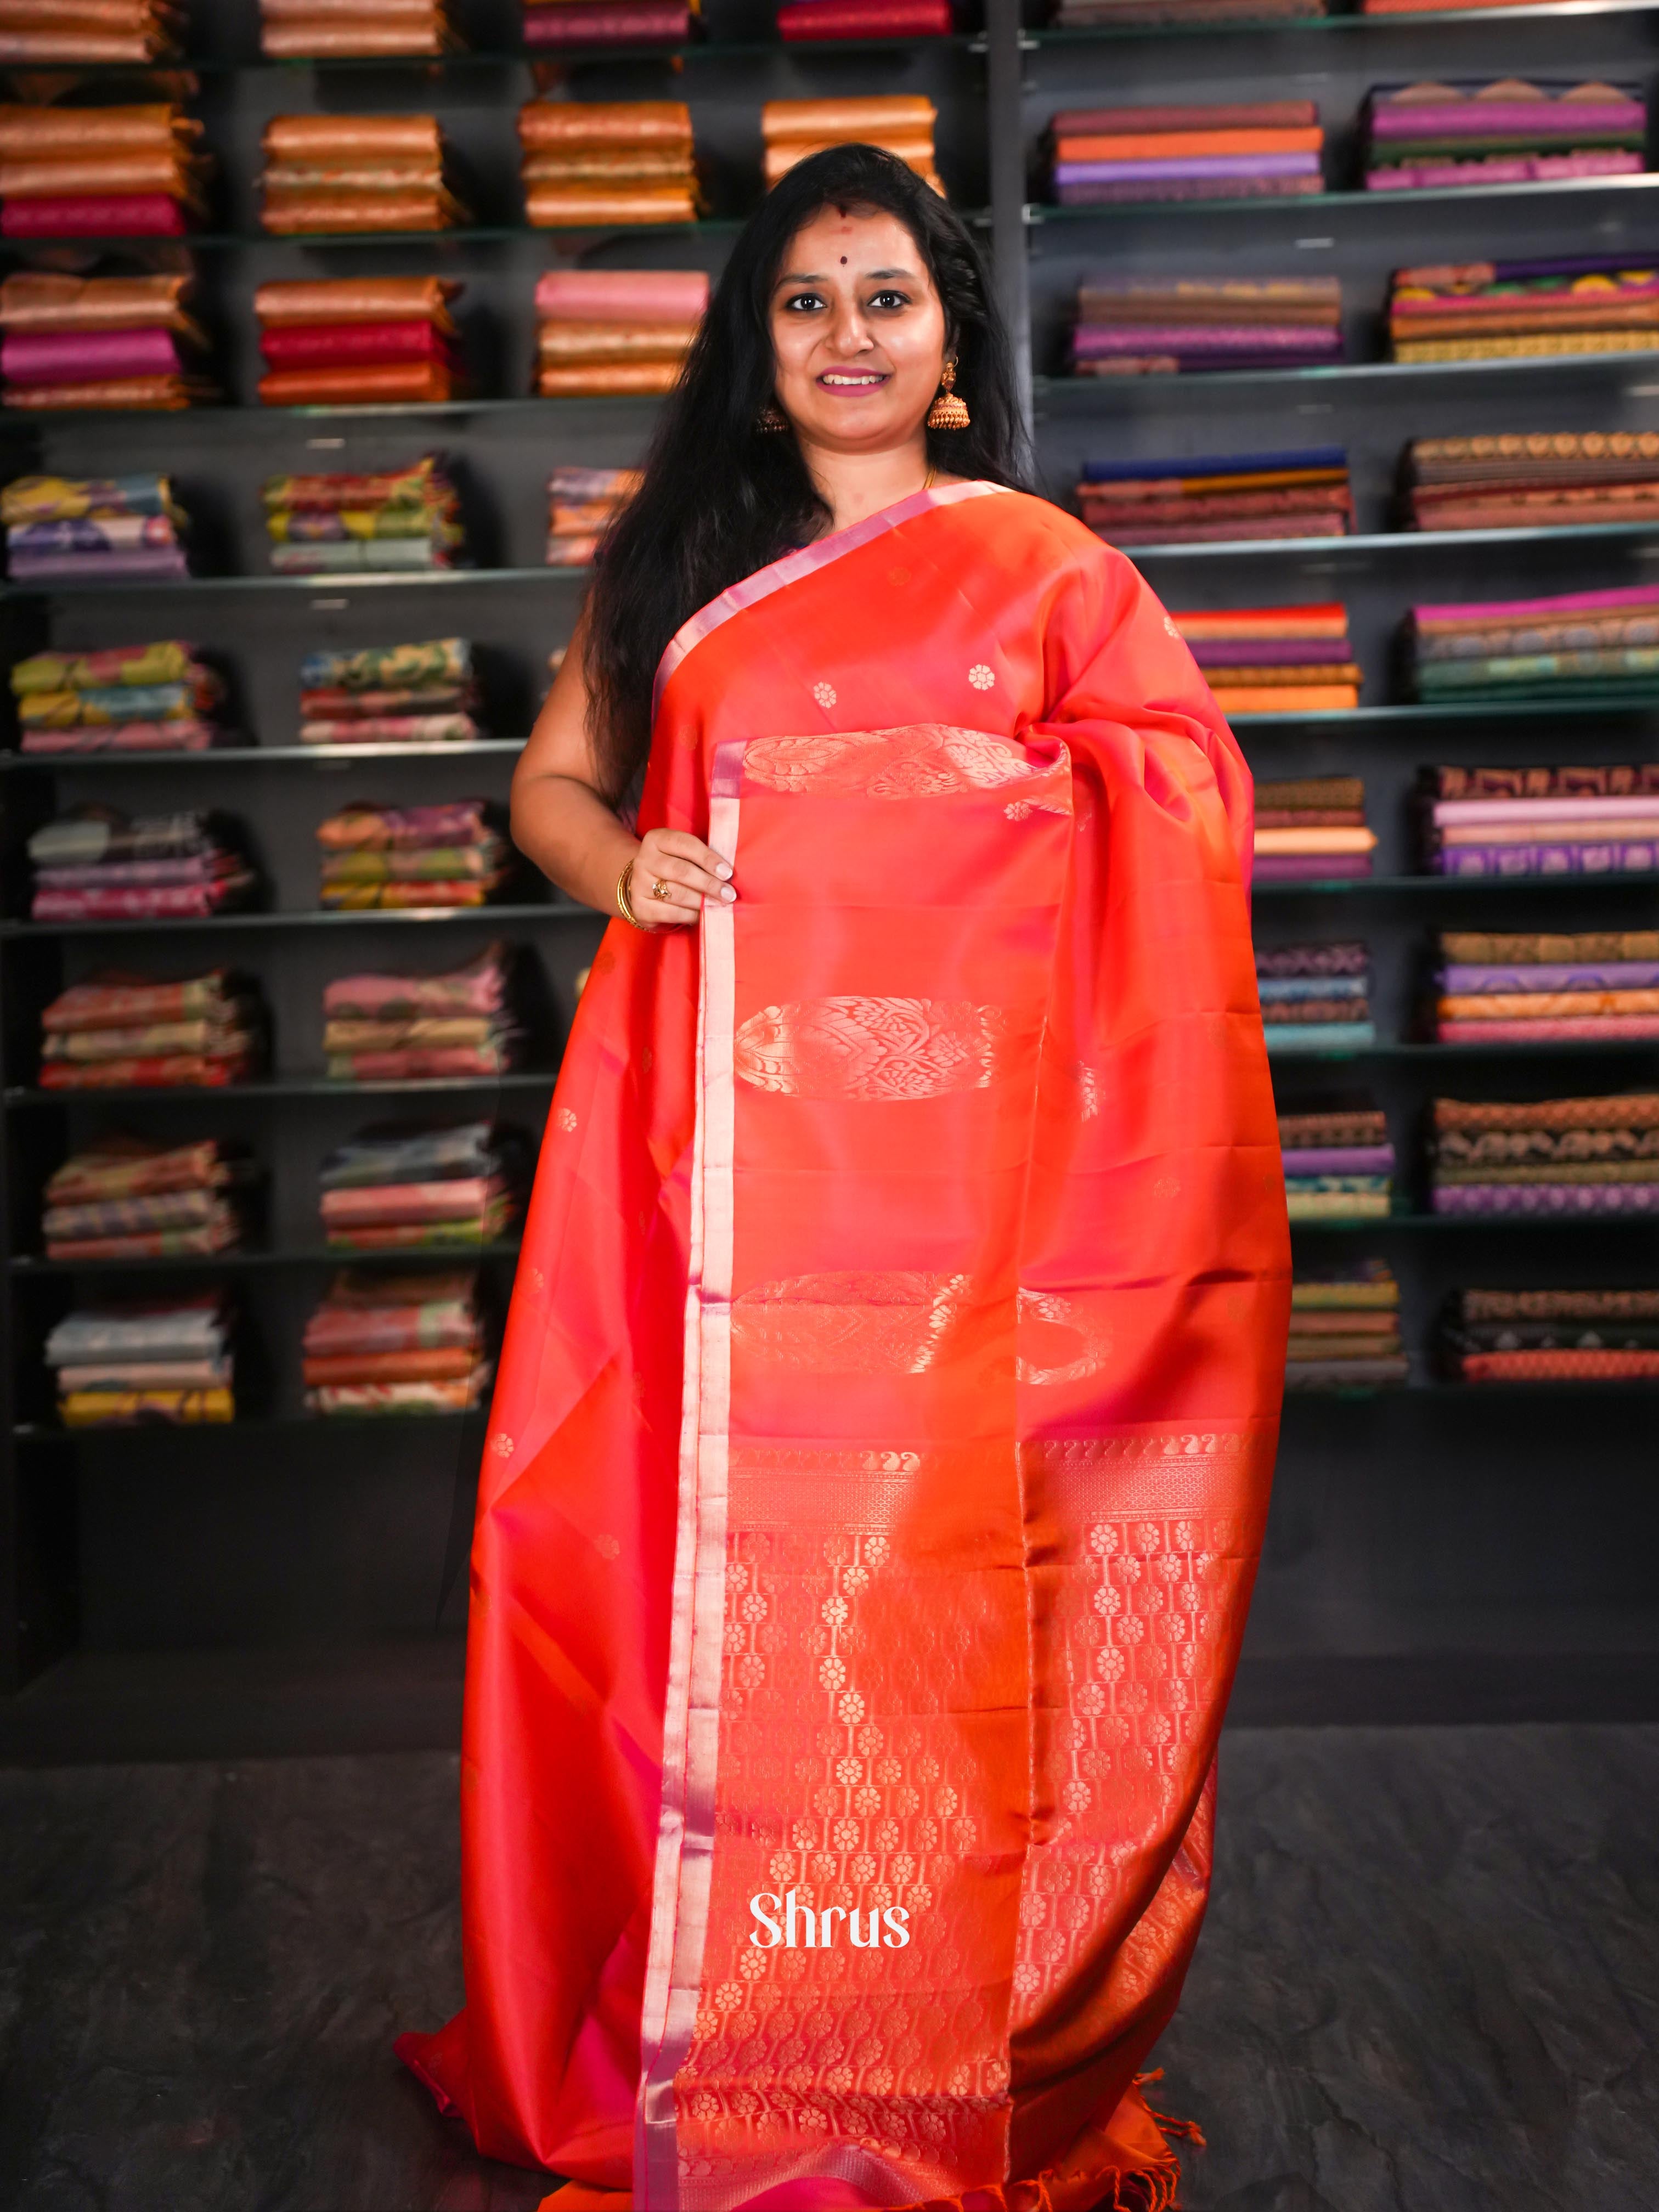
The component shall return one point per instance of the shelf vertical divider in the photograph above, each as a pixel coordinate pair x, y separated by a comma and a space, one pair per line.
1006, 127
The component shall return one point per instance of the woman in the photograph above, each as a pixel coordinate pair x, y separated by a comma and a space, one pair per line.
876, 1473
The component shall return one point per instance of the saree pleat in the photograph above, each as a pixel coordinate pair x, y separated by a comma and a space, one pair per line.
876, 1468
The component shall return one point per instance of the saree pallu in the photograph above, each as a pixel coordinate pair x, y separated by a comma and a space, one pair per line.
872, 1491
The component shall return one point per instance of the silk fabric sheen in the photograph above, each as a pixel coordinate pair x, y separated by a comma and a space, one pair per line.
876, 1475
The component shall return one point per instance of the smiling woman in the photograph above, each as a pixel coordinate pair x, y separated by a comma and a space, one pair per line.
877, 1462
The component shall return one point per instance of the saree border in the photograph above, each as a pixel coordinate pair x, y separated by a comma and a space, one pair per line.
748, 590
685, 1829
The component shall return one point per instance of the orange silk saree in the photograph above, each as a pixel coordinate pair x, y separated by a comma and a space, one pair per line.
876, 1472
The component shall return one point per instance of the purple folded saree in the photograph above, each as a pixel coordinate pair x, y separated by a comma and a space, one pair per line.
1339, 1159
1496, 1200
1593, 855
1459, 981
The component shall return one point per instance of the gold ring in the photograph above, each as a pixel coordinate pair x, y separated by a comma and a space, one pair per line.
659, 889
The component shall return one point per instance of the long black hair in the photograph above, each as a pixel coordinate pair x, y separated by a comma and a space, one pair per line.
721, 498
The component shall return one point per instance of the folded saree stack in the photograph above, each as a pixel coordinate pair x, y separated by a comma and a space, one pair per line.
1512, 131
1339, 1160
395, 1027
94, 341
64, 528
601, 331
401, 1186
334, 524
153, 698
1263, 150
37, 31
145, 1359
808, 20
95, 863
549, 24
348, 341
1345, 1329
127, 1030
1275, 660
1537, 987
1213, 499
1577, 820
1579, 646
1550, 1336
1164, 326
580, 505
1577, 1157
1315, 997
452, 853
607, 162
900, 122
1312, 828
125, 1198
1544, 478
354, 173
380, 695
397, 1344
1511, 310
101, 172
355, 30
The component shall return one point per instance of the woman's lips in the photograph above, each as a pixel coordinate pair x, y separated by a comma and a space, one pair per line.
851, 383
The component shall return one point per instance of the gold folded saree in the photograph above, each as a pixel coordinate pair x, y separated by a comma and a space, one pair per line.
306, 39
286, 214
164, 169
602, 380
36, 300
358, 299
550, 124
573, 344
874, 116
876, 1470
551, 207
325, 137
30, 133
160, 394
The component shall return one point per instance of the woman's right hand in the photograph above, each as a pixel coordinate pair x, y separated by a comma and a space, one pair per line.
674, 872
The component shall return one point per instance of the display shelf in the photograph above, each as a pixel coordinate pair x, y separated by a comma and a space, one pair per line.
1571, 11
1096, 394
251, 1260
427, 241
303, 918
1409, 715
1485, 886
1039, 212
101, 1436
258, 756
1396, 541
1496, 1225
366, 580
21, 1097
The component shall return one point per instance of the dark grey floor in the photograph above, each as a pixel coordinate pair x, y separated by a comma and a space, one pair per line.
1429, 1981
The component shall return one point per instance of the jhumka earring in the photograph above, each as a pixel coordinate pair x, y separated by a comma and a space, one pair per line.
770, 419
948, 410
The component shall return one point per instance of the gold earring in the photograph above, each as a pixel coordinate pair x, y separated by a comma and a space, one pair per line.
770, 419
948, 410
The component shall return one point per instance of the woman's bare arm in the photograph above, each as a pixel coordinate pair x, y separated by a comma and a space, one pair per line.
560, 820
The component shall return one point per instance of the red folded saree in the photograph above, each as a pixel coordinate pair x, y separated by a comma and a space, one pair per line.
877, 1469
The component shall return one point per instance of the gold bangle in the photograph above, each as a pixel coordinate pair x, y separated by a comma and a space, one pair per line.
623, 905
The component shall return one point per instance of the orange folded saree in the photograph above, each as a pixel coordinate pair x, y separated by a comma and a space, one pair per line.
876, 1473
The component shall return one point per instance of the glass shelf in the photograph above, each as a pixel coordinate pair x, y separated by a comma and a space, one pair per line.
1506, 1223
1082, 393
218, 241
252, 1424
1039, 212
360, 579
1569, 10
21, 420
248, 1260
1397, 1048
19, 1097
1396, 541
1414, 715
244, 756
1504, 886
542, 910
496, 57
